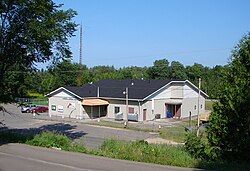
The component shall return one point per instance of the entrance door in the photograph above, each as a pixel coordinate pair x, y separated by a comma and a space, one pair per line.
144, 114
173, 111
169, 111
177, 111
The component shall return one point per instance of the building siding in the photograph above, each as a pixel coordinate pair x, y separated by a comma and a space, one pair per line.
155, 104
62, 101
191, 105
122, 105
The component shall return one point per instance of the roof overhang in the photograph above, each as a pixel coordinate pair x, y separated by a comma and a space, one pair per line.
62, 88
94, 102
173, 101
186, 81
202, 92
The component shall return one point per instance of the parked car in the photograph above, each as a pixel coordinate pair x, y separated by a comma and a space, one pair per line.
40, 109
28, 108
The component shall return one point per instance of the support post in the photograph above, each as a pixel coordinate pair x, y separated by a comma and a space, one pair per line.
126, 115
99, 114
189, 123
198, 109
91, 112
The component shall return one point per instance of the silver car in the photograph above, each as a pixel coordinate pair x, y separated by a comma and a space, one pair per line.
28, 108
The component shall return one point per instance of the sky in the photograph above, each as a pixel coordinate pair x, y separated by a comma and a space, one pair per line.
137, 32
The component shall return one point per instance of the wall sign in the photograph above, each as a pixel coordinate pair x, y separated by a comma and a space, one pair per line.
53, 107
71, 105
60, 108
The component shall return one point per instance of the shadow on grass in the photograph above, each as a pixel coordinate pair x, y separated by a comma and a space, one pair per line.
13, 135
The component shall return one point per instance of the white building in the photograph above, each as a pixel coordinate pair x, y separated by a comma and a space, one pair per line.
147, 99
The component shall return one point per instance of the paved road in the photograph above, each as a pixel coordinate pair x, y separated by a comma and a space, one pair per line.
91, 136
18, 157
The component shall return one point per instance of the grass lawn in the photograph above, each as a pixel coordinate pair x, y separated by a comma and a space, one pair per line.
130, 126
40, 102
35, 95
177, 132
209, 105
174, 133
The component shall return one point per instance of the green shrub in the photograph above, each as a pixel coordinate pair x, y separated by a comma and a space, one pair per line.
141, 151
77, 148
50, 139
200, 148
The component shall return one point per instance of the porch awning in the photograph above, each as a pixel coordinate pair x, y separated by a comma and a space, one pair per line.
94, 102
174, 101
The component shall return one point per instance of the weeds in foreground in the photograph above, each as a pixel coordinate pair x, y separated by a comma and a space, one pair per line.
51, 139
139, 151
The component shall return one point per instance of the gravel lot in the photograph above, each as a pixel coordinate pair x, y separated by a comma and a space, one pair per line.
92, 136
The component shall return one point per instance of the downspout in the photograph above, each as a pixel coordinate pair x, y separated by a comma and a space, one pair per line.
153, 108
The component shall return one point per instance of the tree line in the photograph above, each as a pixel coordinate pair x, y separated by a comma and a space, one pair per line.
66, 73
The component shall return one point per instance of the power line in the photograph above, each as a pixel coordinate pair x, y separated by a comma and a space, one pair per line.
169, 53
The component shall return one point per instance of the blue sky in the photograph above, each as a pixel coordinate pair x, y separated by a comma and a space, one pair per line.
138, 32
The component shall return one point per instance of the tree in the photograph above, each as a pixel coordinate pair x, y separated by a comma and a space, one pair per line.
30, 32
177, 70
213, 80
195, 72
229, 128
160, 70
65, 73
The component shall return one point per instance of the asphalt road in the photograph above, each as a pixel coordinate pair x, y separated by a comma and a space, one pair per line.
90, 135
20, 157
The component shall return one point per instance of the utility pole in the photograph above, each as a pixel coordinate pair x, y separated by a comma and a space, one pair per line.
126, 116
198, 109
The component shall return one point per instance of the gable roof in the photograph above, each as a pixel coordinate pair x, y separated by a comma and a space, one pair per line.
138, 89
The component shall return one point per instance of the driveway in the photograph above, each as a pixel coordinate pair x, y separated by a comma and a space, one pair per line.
90, 135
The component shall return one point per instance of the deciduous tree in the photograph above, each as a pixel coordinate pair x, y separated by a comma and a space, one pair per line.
31, 31
229, 128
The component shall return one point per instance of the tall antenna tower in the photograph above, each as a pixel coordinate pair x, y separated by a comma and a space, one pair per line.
79, 78
80, 58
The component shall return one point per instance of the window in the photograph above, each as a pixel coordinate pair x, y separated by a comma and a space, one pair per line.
53, 107
194, 107
201, 106
131, 110
117, 109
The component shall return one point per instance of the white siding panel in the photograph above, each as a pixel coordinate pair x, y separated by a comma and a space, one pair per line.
191, 105
63, 94
164, 93
68, 107
150, 112
176, 91
190, 92
122, 105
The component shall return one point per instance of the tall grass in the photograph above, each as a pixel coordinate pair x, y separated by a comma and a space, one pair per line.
51, 139
141, 151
